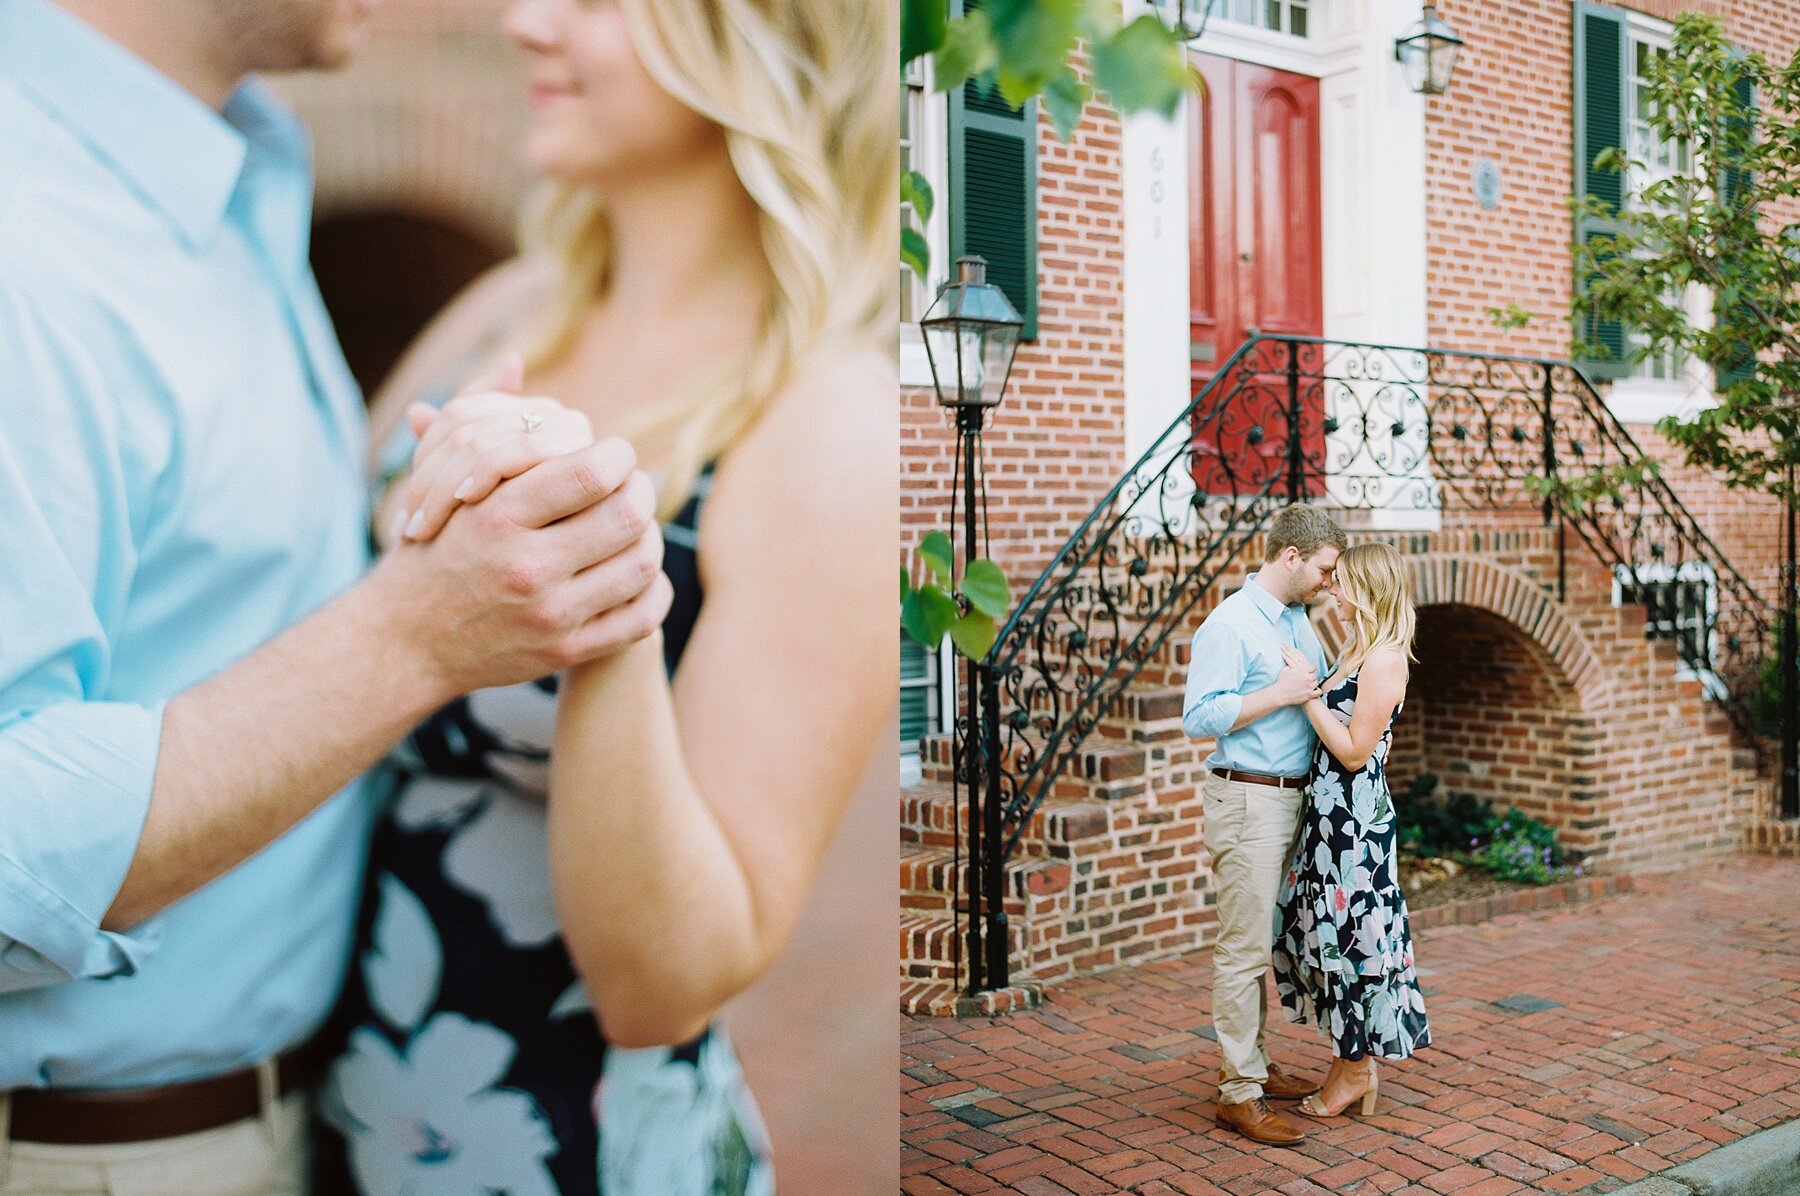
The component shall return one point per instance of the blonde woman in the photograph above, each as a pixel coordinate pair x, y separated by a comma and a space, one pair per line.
575, 875
1343, 955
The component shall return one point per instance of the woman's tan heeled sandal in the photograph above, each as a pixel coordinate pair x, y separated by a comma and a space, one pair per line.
1312, 1106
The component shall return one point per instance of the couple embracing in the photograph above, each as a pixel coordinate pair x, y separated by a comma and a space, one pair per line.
1300, 821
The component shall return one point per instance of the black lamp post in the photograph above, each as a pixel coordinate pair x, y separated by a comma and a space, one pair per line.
1428, 53
971, 334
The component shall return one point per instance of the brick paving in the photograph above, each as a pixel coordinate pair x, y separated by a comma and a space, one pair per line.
1576, 1050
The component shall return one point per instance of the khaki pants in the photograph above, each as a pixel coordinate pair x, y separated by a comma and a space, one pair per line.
259, 1156
1250, 830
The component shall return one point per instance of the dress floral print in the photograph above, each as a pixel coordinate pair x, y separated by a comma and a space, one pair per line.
475, 1065
1343, 955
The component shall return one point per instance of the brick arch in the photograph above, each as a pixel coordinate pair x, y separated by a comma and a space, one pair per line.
1454, 579
457, 163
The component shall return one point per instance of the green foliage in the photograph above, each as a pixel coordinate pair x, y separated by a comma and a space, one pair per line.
1510, 317
1576, 492
1765, 691
1460, 826
1024, 47
1709, 226
1523, 848
967, 609
1431, 826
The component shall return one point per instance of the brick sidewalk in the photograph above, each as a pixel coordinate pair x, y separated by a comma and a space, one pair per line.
1575, 1050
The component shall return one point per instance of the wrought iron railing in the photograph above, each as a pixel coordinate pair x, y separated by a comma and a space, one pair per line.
1353, 427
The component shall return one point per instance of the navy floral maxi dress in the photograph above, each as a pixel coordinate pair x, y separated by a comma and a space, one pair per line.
1343, 954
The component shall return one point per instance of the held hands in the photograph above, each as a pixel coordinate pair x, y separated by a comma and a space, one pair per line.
485, 435
1298, 681
558, 558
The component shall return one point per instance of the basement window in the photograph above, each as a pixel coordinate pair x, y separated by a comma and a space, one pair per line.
1681, 603
927, 698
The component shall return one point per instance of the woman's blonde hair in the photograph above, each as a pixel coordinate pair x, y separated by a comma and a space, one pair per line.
804, 91
1373, 581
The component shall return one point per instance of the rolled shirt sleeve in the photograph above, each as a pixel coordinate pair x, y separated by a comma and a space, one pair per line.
1215, 676
76, 767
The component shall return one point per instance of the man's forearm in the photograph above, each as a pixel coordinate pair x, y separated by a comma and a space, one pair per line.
254, 749
1264, 701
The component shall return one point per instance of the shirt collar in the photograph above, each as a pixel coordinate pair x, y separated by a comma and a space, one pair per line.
1264, 601
180, 156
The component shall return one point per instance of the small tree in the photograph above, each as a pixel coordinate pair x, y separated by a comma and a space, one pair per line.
1719, 224
1712, 225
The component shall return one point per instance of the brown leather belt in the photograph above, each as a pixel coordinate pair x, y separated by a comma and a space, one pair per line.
101, 1116
1257, 778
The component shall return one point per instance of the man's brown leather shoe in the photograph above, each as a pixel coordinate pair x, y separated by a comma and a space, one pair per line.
1281, 1086
1259, 1123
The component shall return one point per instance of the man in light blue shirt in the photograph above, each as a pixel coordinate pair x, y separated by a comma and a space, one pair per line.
1243, 696
192, 661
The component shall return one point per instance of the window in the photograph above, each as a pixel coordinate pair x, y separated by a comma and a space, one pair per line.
926, 697
1277, 16
1681, 603
1616, 51
924, 148
1659, 158
913, 299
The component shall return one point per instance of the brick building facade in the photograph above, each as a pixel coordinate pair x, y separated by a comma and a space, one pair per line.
1538, 685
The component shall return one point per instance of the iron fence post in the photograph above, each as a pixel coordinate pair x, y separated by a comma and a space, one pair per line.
972, 743
993, 836
1790, 667
1295, 480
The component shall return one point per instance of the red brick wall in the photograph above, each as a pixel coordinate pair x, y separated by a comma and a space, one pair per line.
1512, 101
1057, 443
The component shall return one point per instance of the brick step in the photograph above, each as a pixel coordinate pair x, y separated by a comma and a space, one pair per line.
929, 817
1103, 770
933, 945
942, 998
931, 879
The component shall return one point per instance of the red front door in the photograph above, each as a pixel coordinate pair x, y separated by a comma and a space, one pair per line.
1254, 229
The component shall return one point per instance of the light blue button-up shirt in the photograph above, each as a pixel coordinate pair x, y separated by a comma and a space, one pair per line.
180, 451
1237, 651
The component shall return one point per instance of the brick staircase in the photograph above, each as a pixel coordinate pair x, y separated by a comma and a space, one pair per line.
1111, 868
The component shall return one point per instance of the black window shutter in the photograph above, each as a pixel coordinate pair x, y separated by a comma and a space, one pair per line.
1600, 63
1731, 190
993, 185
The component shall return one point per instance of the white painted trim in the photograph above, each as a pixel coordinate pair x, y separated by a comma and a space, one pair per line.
1372, 181
1281, 51
915, 366
1646, 400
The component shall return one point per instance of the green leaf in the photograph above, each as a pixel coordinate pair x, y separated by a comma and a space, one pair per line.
922, 24
915, 189
1035, 39
936, 550
1143, 68
984, 585
968, 50
1064, 98
915, 253
974, 634
905, 584
926, 614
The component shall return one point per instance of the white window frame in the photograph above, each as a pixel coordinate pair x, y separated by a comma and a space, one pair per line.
1225, 12
931, 158
941, 683
1657, 573
1639, 398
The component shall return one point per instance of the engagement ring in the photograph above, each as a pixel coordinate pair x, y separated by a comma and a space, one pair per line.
532, 421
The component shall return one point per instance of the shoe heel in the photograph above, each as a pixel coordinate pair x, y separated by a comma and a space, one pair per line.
1368, 1100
